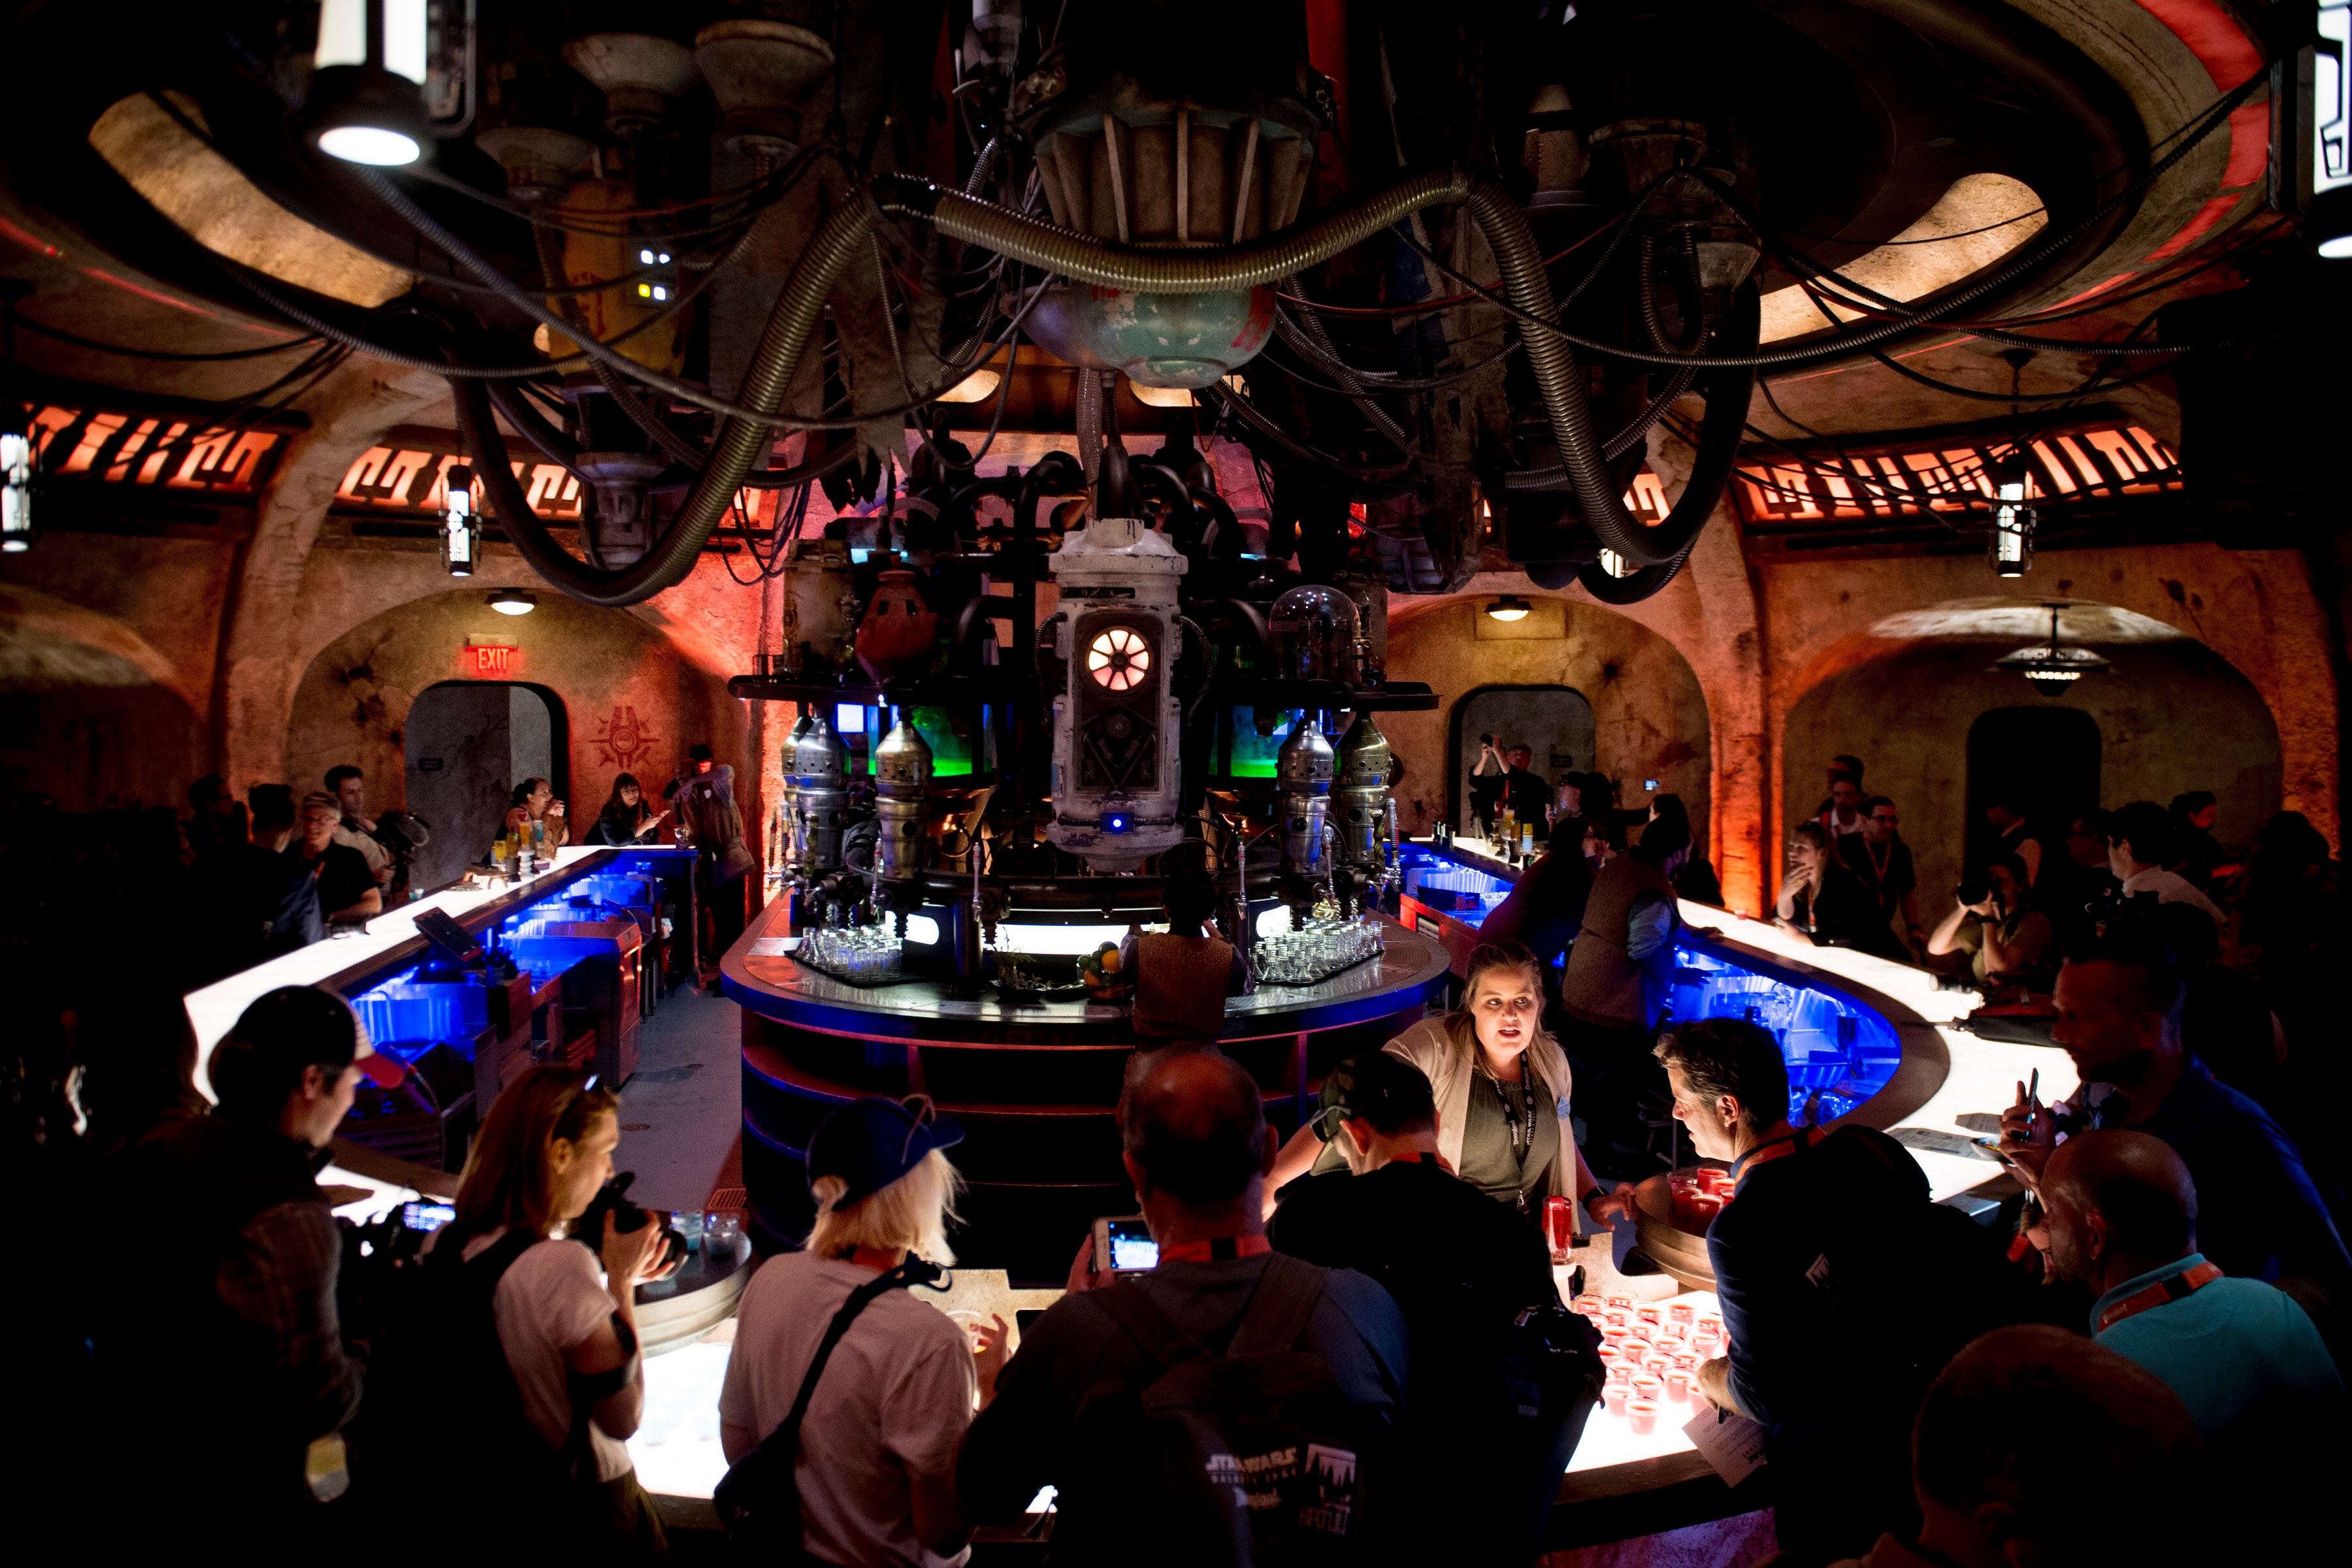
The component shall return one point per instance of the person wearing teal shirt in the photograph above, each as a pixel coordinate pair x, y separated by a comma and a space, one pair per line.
2244, 1357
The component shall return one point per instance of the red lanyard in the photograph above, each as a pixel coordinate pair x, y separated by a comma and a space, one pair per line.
1215, 1249
1765, 1153
2171, 1289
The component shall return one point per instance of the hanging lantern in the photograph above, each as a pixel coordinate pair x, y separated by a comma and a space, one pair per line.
16, 452
461, 525
2011, 543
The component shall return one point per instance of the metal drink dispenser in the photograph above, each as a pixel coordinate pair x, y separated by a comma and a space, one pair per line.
794, 853
1304, 766
1115, 724
1360, 795
821, 767
902, 772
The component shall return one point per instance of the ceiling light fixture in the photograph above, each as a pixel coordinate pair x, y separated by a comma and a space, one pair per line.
461, 525
365, 103
513, 601
1509, 607
2052, 667
2011, 545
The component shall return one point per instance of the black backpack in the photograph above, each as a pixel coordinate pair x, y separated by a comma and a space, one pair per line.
441, 1400
1256, 1459
759, 1497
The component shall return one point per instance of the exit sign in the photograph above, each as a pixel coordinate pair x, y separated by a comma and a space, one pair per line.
491, 660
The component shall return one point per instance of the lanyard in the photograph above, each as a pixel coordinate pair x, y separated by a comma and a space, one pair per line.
2172, 1288
1520, 1119
1779, 1148
1215, 1249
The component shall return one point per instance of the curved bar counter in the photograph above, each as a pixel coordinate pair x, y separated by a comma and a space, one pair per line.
1035, 1085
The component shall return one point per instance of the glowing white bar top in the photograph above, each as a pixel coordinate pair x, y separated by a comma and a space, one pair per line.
1982, 1077
217, 1006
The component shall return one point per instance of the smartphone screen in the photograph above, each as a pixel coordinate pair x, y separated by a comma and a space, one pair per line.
1130, 1245
426, 1215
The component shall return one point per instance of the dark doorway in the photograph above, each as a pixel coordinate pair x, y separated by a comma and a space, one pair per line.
468, 744
2048, 757
1553, 721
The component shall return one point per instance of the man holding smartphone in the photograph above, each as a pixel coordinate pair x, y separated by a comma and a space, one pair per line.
1065, 1415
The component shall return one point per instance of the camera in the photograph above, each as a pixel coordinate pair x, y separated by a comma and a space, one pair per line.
613, 1199
1973, 892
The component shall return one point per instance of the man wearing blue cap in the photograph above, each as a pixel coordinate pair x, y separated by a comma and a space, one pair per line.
877, 1443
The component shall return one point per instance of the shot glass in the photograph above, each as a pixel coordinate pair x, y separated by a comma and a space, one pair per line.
1642, 1414
1615, 1397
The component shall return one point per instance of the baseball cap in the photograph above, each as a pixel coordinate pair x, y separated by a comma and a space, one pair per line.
298, 1026
871, 1143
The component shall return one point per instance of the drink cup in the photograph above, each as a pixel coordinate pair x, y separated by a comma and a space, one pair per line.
1613, 1398
1649, 1317
1681, 1312
1610, 1356
1649, 1387
1642, 1414
1620, 1303
1559, 1226
1678, 1386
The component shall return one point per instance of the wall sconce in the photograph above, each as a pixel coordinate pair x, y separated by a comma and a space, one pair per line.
1509, 607
513, 601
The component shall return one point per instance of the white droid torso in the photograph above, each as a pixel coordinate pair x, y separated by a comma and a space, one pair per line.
1117, 725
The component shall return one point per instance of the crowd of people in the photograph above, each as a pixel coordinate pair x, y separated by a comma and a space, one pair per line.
1354, 1344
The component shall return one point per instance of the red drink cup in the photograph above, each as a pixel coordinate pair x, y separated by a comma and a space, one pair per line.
1678, 1386
1619, 1317
1710, 1324
1613, 1398
1648, 1386
1704, 1208
1620, 1303
1610, 1356
1650, 1316
1643, 1416
1673, 1334
1658, 1364
1681, 1312
1559, 1226
1687, 1363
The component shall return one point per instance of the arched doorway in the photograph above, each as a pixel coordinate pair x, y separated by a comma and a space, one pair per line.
2045, 759
1555, 722
467, 744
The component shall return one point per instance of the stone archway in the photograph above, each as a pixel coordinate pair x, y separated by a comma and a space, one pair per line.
2172, 715
90, 713
633, 700
1651, 718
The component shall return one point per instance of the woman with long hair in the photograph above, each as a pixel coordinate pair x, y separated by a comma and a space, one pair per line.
875, 1461
565, 1312
628, 817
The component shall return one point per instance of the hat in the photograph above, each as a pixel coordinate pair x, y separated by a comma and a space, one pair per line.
870, 1143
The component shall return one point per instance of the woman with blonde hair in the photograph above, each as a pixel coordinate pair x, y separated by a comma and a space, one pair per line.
881, 1411
565, 1312
1502, 1087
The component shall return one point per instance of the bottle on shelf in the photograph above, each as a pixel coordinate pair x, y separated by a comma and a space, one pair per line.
1526, 842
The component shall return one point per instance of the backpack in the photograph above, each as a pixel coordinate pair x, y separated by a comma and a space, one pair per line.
759, 1497
442, 1400
1256, 1459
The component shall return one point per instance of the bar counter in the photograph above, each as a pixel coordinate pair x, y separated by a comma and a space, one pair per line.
1036, 1084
